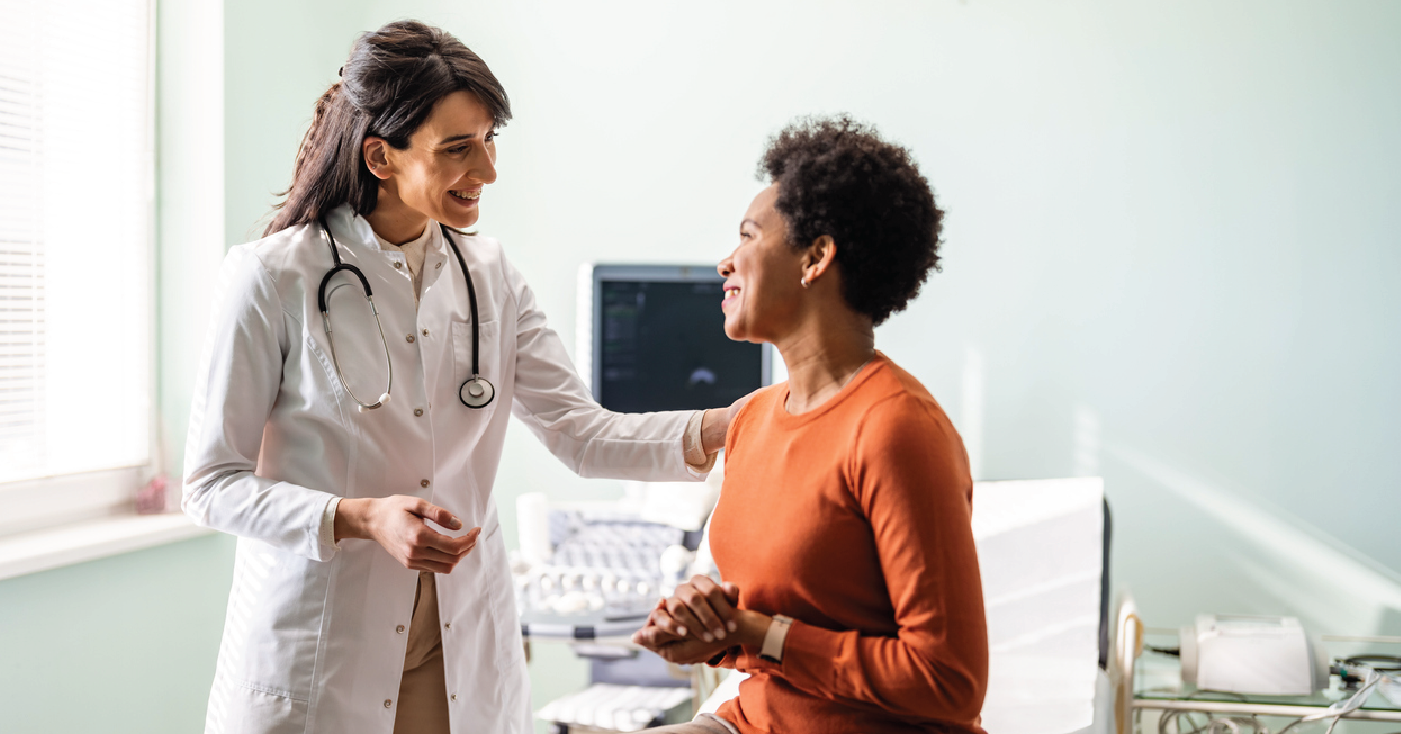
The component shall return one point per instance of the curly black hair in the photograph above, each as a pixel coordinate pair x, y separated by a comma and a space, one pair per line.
837, 177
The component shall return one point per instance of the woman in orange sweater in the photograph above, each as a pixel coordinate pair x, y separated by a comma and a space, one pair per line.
852, 596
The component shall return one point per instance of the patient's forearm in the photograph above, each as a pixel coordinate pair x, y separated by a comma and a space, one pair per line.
752, 628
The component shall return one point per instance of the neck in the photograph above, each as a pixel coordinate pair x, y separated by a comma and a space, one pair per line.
823, 354
393, 220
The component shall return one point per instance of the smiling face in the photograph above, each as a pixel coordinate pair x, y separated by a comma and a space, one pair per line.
450, 157
762, 291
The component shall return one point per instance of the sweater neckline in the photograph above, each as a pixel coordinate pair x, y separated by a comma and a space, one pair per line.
786, 419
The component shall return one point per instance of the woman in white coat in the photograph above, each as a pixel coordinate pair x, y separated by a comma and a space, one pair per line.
359, 604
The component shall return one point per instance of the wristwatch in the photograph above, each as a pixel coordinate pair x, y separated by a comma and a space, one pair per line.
772, 651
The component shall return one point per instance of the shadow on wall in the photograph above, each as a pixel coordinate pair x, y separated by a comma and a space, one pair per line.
1268, 561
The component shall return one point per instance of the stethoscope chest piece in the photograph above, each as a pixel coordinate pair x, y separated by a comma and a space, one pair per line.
476, 392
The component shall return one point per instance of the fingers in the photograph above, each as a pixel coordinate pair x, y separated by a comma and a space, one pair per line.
686, 622
663, 621
456, 546
429, 511
653, 637
707, 601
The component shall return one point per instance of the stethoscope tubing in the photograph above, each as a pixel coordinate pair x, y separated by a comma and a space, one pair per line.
474, 393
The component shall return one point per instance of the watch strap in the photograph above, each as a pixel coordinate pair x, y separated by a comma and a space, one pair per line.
772, 651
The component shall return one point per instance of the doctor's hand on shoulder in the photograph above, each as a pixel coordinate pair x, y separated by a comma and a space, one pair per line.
715, 424
399, 524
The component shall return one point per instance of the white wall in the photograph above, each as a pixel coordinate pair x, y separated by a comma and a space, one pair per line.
1170, 241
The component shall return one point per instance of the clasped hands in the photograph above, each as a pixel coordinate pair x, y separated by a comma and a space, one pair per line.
400, 524
700, 620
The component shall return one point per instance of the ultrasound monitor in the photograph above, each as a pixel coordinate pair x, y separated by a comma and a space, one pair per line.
655, 339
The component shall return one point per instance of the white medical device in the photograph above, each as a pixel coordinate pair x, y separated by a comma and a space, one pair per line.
1271, 656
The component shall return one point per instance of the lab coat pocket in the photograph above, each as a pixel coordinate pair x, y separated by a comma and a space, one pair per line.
275, 616
488, 356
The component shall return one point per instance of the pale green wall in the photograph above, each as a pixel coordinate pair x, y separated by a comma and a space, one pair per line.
124, 645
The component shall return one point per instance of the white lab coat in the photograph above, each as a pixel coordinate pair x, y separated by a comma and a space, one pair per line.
314, 637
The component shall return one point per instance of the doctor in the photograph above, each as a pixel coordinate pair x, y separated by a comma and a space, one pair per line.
350, 448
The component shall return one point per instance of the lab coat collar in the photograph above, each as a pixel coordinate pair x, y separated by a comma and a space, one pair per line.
352, 229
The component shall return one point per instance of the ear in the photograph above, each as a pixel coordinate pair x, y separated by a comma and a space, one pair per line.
375, 151
820, 255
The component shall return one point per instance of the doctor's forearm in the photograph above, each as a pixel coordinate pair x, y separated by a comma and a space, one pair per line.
714, 425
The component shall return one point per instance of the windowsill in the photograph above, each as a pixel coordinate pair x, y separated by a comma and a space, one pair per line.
90, 540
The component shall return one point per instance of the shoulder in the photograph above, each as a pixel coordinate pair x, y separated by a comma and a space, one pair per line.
290, 249
481, 250
761, 404
901, 415
763, 401
486, 255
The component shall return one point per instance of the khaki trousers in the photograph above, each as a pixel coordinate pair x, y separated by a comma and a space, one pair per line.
423, 697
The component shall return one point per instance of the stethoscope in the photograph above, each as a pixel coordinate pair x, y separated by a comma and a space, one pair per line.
475, 392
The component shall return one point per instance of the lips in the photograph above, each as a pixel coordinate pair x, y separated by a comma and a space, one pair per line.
471, 195
731, 292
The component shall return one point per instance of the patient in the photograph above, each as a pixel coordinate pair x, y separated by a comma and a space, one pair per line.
847, 493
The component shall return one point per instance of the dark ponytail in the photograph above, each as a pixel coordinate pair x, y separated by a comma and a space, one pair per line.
388, 88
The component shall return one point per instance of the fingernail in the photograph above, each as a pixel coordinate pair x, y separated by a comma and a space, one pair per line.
681, 631
720, 634
455, 524
734, 626
707, 637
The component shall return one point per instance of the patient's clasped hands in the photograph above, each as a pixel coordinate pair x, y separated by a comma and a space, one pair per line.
699, 621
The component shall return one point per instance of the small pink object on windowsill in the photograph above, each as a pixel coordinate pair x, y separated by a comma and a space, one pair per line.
150, 499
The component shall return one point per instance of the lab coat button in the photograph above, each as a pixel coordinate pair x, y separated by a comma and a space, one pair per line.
425, 332
397, 265
418, 412
439, 265
454, 697
424, 484
388, 703
409, 338
399, 629
447, 626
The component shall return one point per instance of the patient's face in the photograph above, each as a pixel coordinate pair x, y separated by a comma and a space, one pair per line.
762, 290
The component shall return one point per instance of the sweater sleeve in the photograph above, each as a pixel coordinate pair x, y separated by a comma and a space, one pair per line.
910, 475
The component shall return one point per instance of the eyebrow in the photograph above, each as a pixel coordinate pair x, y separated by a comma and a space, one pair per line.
455, 138
749, 221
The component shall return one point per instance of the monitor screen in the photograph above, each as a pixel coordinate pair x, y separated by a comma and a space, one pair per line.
659, 341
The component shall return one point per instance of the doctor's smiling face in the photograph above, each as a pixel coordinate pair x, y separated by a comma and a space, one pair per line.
440, 175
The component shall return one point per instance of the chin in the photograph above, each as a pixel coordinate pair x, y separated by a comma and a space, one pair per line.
459, 221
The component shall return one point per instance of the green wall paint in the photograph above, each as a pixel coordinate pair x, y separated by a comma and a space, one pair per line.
123, 645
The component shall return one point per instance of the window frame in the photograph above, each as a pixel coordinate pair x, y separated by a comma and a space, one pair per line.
39, 504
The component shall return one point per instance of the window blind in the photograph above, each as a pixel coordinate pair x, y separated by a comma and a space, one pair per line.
76, 188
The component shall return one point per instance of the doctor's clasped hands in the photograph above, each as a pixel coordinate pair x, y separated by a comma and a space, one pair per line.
400, 525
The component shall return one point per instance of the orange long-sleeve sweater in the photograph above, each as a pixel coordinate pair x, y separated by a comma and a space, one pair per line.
853, 519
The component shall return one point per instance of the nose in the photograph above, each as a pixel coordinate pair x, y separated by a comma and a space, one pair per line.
484, 163
726, 266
